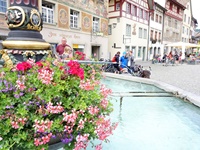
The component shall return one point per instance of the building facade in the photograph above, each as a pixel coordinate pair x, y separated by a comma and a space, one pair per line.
3, 25
128, 27
186, 27
156, 31
83, 23
173, 23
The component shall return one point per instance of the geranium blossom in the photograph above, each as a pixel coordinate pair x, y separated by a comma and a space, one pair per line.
42, 101
23, 66
45, 75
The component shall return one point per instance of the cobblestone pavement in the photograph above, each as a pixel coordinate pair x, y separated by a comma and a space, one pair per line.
183, 76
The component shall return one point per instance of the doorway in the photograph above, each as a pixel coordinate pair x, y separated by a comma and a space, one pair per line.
95, 52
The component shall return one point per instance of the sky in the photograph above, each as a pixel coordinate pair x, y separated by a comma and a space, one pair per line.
196, 11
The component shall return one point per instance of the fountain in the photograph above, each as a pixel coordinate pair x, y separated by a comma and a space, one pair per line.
24, 40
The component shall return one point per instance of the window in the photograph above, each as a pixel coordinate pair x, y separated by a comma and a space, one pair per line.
145, 15
187, 31
176, 24
151, 34
156, 17
155, 38
140, 32
159, 36
145, 34
95, 24
127, 48
128, 8
152, 16
171, 6
3, 6
74, 16
178, 10
48, 12
160, 19
102, 1
109, 29
134, 10
185, 18
183, 30
140, 13
128, 30
117, 6
189, 20
139, 51
169, 22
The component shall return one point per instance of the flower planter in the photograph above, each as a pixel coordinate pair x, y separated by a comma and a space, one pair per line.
41, 100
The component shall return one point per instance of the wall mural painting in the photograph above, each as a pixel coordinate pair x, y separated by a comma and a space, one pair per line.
86, 22
104, 26
92, 6
63, 13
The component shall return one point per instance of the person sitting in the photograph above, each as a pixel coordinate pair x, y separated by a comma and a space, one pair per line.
68, 53
116, 61
124, 62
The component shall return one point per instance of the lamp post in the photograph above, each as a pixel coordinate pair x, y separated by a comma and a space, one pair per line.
24, 40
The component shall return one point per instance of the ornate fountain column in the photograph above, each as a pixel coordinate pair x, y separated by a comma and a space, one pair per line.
24, 40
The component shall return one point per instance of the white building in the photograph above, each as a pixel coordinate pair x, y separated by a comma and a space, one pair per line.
128, 27
156, 31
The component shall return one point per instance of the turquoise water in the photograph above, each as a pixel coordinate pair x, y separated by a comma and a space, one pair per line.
158, 123
151, 123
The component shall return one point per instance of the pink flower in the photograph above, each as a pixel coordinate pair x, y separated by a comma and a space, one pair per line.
98, 147
36, 141
93, 110
15, 124
45, 75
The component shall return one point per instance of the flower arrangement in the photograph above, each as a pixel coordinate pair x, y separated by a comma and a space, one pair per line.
41, 102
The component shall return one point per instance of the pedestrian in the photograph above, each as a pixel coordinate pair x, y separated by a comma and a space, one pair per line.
131, 62
60, 48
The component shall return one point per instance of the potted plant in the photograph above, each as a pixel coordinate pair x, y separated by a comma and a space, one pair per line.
44, 101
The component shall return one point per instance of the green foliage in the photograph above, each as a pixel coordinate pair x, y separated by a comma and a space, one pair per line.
31, 95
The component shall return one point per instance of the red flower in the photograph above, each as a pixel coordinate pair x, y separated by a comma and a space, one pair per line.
23, 66
39, 64
74, 69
